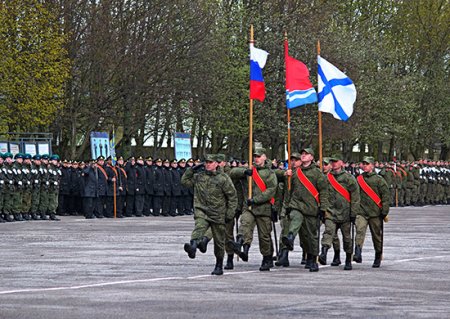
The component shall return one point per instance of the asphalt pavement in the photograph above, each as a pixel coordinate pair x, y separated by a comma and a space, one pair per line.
137, 268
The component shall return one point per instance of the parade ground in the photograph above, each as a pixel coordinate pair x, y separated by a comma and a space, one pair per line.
137, 268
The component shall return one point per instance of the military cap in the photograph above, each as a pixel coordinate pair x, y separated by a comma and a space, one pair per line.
131, 158
27, 156
182, 160
54, 157
197, 160
244, 162
259, 151
336, 157
326, 160
45, 157
139, 158
174, 161
308, 150
149, 158
101, 158
191, 160
7, 154
368, 159
65, 161
18, 155
158, 160
210, 158
37, 157
120, 158
220, 157
166, 161
296, 155
109, 158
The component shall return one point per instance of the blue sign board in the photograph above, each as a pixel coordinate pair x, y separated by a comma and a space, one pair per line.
182, 145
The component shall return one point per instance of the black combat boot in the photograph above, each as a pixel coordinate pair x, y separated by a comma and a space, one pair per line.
314, 264
377, 261
289, 241
203, 244
218, 270
337, 258
53, 216
284, 258
34, 216
236, 245
244, 253
18, 217
9, 217
358, 255
1, 219
303, 261
191, 248
229, 264
323, 256
308, 261
26, 216
44, 216
348, 261
265, 265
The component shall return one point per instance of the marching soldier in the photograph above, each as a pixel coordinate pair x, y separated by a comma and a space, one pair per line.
305, 203
257, 210
215, 202
373, 209
344, 205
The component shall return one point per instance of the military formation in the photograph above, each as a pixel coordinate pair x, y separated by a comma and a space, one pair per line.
349, 197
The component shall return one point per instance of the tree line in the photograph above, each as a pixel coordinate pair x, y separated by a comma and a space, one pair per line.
147, 69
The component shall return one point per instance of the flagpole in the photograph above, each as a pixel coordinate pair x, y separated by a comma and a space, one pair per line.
320, 121
286, 52
250, 132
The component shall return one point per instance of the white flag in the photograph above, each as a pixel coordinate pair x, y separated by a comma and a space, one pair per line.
337, 93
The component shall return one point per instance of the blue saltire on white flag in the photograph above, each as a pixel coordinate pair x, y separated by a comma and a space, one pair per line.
337, 93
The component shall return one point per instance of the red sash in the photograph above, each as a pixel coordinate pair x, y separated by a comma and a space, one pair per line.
369, 191
123, 171
338, 187
307, 183
260, 183
103, 171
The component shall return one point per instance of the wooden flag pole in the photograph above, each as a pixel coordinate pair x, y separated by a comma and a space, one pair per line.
250, 132
286, 52
320, 121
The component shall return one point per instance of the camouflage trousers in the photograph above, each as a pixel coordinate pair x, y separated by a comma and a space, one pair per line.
308, 229
374, 224
263, 224
229, 235
26, 201
330, 235
218, 234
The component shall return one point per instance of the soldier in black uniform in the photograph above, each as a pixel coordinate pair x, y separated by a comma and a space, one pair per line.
121, 187
102, 188
149, 180
89, 189
158, 187
139, 197
112, 187
167, 188
130, 169
175, 196
65, 189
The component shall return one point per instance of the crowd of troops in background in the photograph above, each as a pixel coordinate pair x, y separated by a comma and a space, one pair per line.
41, 187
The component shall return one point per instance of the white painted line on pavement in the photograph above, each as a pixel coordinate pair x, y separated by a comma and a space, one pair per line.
112, 283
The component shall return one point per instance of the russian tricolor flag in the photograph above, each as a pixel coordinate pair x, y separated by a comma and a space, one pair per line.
258, 60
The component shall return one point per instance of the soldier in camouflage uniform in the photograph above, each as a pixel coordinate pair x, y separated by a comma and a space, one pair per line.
257, 210
371, 213
54, 177
2, 188
10, 187
214, 205
305, 205
36, 189
344, 204
19, 183
27, 177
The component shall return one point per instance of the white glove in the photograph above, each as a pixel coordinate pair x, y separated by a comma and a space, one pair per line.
19, 182
56, 183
